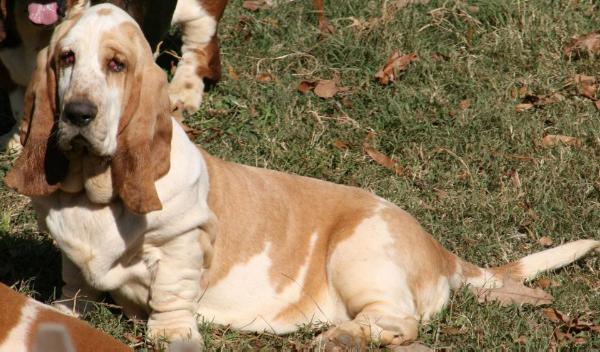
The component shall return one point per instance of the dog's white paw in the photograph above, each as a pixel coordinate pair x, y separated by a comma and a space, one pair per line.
186, 94
181, 335
10, 140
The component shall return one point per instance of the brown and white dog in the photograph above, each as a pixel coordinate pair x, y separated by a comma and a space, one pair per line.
172, 232
26, 26
28, 325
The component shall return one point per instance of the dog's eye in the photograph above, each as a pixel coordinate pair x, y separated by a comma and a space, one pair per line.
67, 58
115, 65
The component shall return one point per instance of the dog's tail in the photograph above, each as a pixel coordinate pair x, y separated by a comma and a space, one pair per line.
525, 268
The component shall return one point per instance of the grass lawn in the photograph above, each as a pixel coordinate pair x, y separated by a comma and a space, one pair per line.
476, 174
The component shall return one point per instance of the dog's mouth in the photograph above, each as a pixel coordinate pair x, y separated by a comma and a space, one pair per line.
78, 145
43, 13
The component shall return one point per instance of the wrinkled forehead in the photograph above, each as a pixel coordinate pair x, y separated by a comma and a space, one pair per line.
94, 23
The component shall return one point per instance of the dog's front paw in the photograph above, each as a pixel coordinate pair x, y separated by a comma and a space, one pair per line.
10, 140
186, 93
183, 336
345, 337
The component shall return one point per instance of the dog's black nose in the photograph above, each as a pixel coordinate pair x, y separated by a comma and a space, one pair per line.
80, 112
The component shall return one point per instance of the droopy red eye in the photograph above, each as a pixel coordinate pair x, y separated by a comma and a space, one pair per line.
116, 65
67, 58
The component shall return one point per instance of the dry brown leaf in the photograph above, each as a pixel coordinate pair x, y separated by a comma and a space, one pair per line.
521, 340
584, 44
555, 316
264, 77
395, 63
306, 86
341, 145
545, 283
326, 88
379, 157
586, 86
232, 74
523, 107
530, 100
464, 104
545, 241
520, 92
132, 338
255, 5
554, 139
513, 292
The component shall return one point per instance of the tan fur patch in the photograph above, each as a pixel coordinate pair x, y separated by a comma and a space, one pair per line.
263, 206
423, 259
104, 12
11, 305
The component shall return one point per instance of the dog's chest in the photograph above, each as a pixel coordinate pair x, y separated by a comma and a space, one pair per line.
94, 237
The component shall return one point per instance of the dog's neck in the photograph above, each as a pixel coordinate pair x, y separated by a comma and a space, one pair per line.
91, 174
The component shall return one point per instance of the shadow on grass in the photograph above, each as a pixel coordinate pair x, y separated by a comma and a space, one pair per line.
31, 261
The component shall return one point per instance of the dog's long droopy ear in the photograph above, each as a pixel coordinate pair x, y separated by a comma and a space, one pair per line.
41, 165
144, 141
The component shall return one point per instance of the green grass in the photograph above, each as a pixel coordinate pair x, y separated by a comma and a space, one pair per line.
458, 162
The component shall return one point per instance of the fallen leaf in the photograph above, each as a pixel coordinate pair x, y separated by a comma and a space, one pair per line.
523, 107
530, 100
326, 88
232, 74
339, 144
512, 292
586, 86
545, 283
306, 86
545, 241
379, 157
395, 63
553, 140
453, 330
464, 104
132, 338
522, 91
521, 340
255, 5
584, 44
264, 77
597, 104
555, 316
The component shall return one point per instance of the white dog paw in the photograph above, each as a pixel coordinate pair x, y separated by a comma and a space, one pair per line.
11, 141
186, 94
183, 334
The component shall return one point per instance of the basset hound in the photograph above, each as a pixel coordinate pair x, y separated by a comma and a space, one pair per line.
174, 233
28, 325
26, 27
